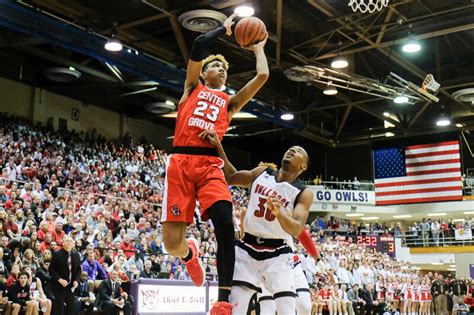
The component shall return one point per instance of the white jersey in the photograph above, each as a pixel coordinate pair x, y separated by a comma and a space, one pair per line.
259, 221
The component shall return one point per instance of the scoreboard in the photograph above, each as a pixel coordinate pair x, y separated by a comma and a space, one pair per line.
384, 244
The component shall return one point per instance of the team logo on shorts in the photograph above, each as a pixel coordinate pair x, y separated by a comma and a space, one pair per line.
175, 210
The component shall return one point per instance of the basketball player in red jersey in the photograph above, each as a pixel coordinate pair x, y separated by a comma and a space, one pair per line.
194, 169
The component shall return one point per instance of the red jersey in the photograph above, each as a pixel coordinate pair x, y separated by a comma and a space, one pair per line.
204, 109
324, 294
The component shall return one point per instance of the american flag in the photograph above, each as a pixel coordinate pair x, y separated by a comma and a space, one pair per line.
418, 173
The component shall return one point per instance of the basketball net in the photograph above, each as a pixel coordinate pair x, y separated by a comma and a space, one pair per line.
367, 5
429, 83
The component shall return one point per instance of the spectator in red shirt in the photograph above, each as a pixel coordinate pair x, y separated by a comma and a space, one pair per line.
46, 244
10, 226
111, 224
43, 230
127, 247
13, 275
58, 233
469, 300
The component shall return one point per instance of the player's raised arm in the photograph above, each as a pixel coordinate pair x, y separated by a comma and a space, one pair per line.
198, 53
243, 178
253, 86
293, 225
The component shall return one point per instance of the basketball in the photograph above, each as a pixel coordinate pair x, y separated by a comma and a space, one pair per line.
249, 31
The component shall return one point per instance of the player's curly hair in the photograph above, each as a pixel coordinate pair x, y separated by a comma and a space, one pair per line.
211, 58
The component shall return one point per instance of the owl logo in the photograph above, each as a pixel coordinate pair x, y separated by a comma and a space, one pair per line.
175, 210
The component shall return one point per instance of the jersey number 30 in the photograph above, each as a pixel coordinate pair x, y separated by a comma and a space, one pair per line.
201, 107
262, 210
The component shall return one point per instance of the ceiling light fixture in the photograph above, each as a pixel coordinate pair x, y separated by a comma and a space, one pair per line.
451, 269
439, 214
468, 212
386, 114
369, 218
411, 46
443, 121
339, 63
287, 116
402, 216
113, 44
355, 215
330, 90
437, 263
244, 10
459, 125
400, 99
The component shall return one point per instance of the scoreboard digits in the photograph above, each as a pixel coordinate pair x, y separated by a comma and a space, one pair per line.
384, 244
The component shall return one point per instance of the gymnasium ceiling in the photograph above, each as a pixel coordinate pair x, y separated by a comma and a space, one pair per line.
301, 32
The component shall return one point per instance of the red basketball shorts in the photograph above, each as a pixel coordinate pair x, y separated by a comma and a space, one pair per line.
191, 177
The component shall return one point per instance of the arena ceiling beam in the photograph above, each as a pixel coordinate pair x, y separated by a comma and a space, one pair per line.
365, 101
418, 114
377, 114
178, 32
373, 75
368, 138
143, 41
358, 105
402, 61
68, 63
139, 22
279, 14
315, 39
69, 8
391, 25
140, 40
343, 121
19, 42
387, 19
306, 133
420, 74
374, 45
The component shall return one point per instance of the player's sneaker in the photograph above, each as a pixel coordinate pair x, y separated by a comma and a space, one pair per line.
194, 266
221, 308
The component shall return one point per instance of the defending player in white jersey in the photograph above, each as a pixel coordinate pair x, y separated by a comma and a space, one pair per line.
303, 300
277, 211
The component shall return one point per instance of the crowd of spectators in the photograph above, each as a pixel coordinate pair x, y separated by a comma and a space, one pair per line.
338, 226
106, 196
336, 183
437, 232
354, 279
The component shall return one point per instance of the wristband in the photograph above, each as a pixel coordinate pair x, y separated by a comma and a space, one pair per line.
307, 243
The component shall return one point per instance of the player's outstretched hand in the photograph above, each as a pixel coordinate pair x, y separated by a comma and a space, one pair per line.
211, 136
257, 46
274, 205
228, 24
